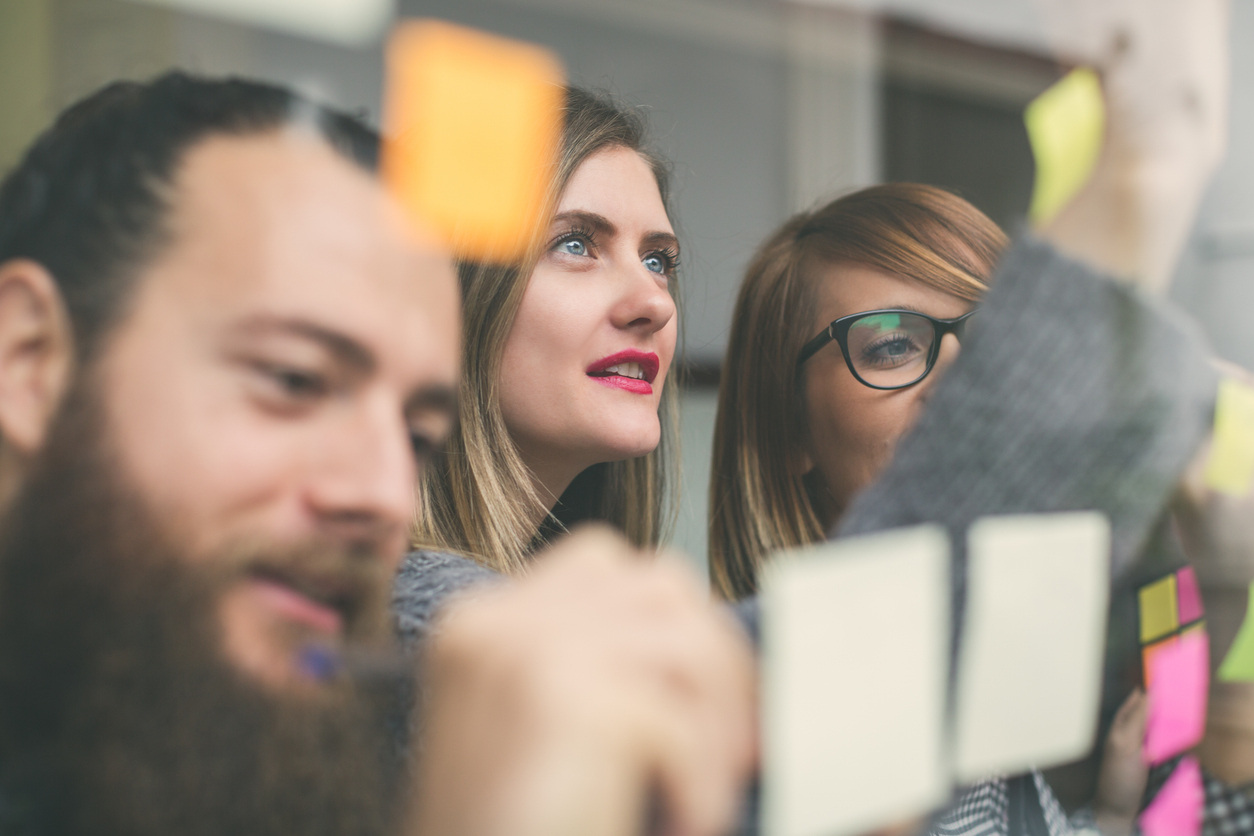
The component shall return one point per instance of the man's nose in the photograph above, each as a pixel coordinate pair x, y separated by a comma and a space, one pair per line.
362, 484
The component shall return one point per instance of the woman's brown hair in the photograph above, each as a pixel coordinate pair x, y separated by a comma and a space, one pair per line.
760, 501
479, 499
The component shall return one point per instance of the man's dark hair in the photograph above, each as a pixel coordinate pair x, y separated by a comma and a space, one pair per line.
89, 200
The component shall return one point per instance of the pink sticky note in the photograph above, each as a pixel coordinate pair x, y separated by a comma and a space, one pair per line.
1177, 697
1177, 809
1189, 600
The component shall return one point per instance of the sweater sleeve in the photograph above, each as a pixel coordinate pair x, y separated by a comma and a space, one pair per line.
426, 581
1073, 392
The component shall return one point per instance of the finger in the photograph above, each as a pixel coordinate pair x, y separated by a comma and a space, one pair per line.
696, 795
1133, 707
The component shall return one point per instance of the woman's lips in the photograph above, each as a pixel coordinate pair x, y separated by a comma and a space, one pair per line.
630, 370
629, 384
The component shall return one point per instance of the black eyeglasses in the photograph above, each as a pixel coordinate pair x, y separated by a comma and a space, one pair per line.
889, 349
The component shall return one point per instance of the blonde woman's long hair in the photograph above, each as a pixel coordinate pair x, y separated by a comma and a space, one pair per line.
759, 500
479, 498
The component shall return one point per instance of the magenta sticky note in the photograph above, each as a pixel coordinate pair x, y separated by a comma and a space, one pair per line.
1177, 697
1189, 600
1177, 809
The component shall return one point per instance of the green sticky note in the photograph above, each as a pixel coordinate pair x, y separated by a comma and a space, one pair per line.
1230, 467
1158, 609
1238, 665
1065, 126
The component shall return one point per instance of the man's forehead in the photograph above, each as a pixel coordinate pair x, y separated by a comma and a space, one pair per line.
283, 224
283, 199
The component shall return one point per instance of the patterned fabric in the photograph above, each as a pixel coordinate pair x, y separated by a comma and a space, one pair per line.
1227, 810
1055, 817
984, 810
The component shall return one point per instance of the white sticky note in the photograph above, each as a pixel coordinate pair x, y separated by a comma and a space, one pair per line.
1033, 642
855, 661
348, 22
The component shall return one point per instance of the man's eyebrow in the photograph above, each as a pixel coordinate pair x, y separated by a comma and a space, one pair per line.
435, 397
342, 347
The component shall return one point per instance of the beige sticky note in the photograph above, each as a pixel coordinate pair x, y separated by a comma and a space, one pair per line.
1033, 640
348, 22
855, 663
1230, 467
1065, 127
473, 123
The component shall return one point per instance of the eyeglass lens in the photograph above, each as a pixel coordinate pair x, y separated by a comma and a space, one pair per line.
890, 349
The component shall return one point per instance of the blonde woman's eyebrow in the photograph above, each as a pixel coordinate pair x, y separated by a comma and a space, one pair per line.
658, 240
597, 223
602, 225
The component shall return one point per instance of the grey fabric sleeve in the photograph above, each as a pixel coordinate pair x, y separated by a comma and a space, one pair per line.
1072, 392
425, 582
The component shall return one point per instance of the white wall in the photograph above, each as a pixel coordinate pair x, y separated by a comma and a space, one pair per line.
1216, 283
764, 106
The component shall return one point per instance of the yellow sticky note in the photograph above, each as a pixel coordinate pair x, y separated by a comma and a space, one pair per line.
1065, 126
1158, 609
1238, 665
473, 124
1230, 467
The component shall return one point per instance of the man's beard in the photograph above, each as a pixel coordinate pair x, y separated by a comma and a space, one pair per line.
118, 711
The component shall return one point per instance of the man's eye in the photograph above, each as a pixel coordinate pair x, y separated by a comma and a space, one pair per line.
296, 383
423, 447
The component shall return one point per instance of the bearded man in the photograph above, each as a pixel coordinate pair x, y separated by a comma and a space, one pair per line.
224, 359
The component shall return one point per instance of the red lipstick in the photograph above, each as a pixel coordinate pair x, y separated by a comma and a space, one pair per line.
630, 370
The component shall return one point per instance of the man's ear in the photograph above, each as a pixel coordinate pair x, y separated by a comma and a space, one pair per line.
36, 353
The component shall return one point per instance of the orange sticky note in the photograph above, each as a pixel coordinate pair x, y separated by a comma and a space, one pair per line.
473, 125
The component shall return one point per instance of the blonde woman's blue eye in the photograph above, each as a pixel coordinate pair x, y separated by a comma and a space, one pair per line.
655, 264
574, 246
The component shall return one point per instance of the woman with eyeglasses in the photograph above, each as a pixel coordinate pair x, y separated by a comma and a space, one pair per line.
846, 318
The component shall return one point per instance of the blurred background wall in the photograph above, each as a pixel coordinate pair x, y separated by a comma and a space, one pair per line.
764, 106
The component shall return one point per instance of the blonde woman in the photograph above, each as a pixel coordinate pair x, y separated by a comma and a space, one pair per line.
564, 407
